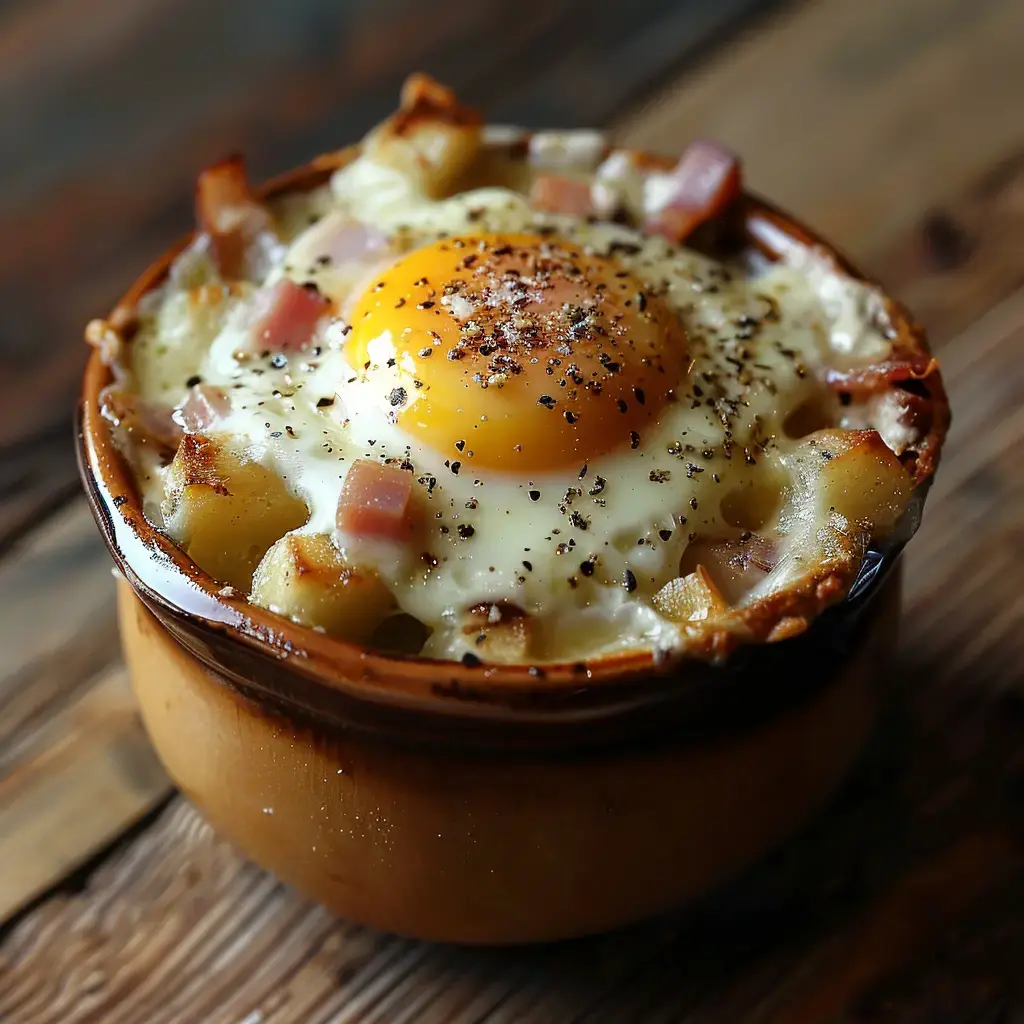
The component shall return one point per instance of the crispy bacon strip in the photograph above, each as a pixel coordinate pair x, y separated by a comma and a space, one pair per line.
375, 500
557, 194
229, 214
203, 406
292, 311
706, 180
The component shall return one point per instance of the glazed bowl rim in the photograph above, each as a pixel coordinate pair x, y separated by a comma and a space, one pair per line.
200, 611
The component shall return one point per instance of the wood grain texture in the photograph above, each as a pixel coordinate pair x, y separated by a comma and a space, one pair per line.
903, 902
75, 765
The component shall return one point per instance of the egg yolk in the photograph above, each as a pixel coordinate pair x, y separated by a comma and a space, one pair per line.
516, 352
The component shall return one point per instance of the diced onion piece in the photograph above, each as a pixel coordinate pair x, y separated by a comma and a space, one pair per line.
375, 501
230, 215
203, 406
291, 313
704, 182
305, 578
555, 193
737, 566
500, 631
691, 598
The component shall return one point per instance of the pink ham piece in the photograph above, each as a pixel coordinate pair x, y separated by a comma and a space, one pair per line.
337, 240
289, 313
230, 215
705, 181
555, 193
374, 501
203, 406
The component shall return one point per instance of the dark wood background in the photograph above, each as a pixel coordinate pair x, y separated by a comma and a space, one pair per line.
894, 126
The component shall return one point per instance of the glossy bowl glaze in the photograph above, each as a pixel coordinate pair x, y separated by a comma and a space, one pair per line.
488, 804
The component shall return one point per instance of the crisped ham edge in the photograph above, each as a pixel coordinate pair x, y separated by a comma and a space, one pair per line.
696, 199
375, 502
229, 213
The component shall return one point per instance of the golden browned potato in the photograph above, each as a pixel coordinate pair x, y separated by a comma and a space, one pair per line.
226, 511
432, 139
305, 578
860, 479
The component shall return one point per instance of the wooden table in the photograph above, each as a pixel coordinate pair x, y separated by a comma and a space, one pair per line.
893, 125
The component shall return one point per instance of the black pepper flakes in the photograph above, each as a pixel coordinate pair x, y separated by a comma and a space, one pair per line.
466, 531
471, 660
324, 403
398, 397
634, 440
629, 581
534, 495
194, 380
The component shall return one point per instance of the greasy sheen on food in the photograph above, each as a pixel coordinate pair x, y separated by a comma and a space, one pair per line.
482, 395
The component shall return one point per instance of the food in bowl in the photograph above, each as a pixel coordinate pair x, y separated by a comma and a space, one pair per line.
508, 407
470, 481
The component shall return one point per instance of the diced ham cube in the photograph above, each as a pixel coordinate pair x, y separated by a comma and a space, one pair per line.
289, 313
203, 406
374, 501
336, 240
230, 215
558, 194
704, 182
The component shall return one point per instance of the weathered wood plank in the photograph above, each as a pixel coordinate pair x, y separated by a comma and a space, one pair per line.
75, 766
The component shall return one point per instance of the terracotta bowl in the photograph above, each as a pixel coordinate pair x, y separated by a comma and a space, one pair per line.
485, 804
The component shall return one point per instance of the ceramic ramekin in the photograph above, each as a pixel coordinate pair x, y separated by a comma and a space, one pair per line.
488, 804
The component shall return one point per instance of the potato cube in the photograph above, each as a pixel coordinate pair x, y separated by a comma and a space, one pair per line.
304, 578
860, 479
226, 511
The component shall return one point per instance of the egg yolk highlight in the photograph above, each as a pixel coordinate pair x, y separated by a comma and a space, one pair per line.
516, 352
